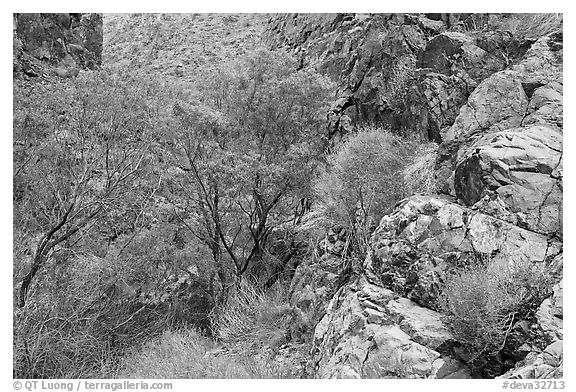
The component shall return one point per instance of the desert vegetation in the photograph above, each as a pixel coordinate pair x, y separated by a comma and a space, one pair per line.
485, 299
159, 219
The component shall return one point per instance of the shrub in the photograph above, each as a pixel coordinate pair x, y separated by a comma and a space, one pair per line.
484, 301
529, 26
86, 311
419, 174
363, 180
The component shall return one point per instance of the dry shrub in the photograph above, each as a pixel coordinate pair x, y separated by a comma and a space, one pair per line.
419, 174
81, 316
484, 301
363, 180
529, 26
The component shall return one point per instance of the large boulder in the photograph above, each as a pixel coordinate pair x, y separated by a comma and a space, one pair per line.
369, 332
428, 236
515, 175
504, 100
387, 319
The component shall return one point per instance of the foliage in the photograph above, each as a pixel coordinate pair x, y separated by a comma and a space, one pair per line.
113, 242
484, 301
246, 153
79, 152
245, 329
363, 180
83, 185
89, 310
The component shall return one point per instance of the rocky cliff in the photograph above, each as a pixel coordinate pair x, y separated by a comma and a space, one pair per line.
494, 103
405, 71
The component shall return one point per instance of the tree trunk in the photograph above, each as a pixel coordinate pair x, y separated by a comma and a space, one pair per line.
39, 260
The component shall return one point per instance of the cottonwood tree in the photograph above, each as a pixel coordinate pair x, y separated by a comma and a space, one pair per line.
79, 149
246, 153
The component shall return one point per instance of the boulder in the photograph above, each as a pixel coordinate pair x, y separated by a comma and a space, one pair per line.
427, 236
516, 104
515, 175
368, 332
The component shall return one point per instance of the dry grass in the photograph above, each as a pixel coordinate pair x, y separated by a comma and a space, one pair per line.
255, 319
419, 174
186, 354
248, 331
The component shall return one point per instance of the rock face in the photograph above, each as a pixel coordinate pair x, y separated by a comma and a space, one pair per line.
427, 236
68, 42
503, 154
495, 106
401, 70
370, 56
317, 279
369, 332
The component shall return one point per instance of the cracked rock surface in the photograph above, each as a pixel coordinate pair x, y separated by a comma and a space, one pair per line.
495, 105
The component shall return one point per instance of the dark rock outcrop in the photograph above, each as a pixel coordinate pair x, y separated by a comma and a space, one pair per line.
404, 71
65, 42
370, 56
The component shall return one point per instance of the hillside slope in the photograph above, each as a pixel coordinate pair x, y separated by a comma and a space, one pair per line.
178, 45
